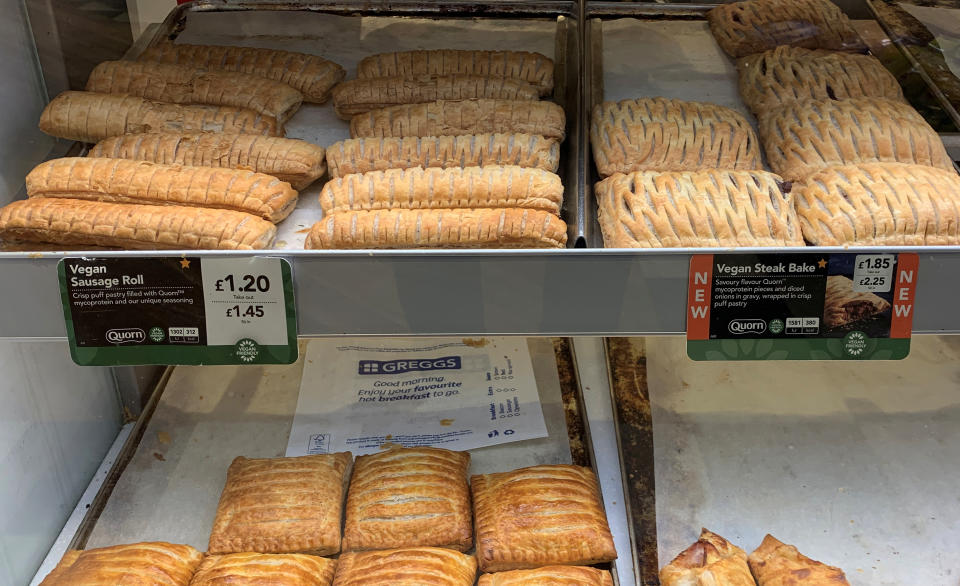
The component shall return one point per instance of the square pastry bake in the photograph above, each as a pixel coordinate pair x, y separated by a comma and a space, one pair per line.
136, 564
540, 516
407, 497
282, 505
263, 569
410, 566
549, 576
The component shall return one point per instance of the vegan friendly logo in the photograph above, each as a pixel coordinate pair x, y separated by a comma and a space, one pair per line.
247, 350
126, 336
776, 326
855, 343
408, 365
747, 326
156, 334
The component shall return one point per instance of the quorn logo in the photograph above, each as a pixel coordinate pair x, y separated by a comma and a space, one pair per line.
747, 326
126, 336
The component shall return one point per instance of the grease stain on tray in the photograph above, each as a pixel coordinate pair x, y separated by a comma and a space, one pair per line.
475, 342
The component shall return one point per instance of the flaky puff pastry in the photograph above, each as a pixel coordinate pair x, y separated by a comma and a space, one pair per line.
493, 186
264, 569
407, 497
458, 117
450, 228
881, 204
778, 564
362, 155
710, 561
549, 576
282, 505
792, 74
662, 134
297, 162
183, 84
312, 75
696, 209
142, 182
362, 95
803, 137
91, 117
42, 223
752, 26
409, 566
530, 67
136, 564
540, 516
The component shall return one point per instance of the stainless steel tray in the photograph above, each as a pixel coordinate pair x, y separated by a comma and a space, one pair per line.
345, 33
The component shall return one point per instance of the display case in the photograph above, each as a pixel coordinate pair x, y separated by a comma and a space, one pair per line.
848, 460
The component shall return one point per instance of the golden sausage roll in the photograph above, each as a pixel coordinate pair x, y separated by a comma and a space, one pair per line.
361, 155
140, 182
312, 75
462, 117
362, 95
470, 187
297, 162
91, 117
456, 228
182, 84
77, 223
530, 67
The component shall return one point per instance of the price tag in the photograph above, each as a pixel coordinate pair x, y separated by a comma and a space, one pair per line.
801, 306
873, 272
190, 310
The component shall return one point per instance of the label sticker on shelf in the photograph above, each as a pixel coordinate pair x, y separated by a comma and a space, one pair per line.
366, 394
178, 310
801, 306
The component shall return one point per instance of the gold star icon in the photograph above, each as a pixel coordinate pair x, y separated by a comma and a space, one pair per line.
184, 263
822, 263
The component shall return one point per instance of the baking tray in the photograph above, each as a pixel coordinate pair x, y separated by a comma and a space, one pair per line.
646, 49
169, 487
346, 33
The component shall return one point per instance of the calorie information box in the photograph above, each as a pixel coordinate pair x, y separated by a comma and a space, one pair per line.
794, 306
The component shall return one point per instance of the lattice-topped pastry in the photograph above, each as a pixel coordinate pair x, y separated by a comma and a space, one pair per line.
754, 26
803, 137
362, 95
549, 576
263, 569
406, 497
710, 561
530, 67
408, 566
137, 564
540, 516
778, 564
282, 505
791, 74
696, 209
360, 155
841, 306
661, 134
453, 228
470, 187
462, 117
880, 204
